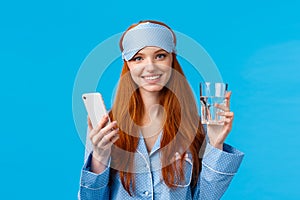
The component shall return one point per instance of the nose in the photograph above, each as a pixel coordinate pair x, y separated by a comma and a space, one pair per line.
149, 65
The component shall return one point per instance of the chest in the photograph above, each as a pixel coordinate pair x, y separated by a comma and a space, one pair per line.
150, 141
150, 183
150, 134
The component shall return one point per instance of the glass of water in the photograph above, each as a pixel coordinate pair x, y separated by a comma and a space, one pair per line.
210, 95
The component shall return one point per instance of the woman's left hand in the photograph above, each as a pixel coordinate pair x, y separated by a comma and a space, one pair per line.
218, 133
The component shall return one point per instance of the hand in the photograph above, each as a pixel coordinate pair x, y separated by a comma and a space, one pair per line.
218, 133
102, 137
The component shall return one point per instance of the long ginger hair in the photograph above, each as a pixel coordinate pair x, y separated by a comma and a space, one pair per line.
182, 128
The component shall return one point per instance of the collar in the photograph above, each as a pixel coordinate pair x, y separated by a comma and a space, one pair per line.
142, 148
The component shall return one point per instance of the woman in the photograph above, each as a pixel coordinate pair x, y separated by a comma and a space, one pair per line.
155, 147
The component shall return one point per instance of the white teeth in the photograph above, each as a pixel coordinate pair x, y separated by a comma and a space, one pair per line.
152, 77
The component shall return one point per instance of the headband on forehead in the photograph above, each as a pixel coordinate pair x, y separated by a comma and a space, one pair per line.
147, 34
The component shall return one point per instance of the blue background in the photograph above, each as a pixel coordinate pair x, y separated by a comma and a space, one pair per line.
255, 44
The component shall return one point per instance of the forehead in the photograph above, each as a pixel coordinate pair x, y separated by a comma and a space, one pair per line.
150, 50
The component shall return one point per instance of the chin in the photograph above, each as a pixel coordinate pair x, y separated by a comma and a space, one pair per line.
154, 88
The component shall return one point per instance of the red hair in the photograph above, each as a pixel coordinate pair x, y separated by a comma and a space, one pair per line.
182, 130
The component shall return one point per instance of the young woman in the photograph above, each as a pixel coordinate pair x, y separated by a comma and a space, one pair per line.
156, 147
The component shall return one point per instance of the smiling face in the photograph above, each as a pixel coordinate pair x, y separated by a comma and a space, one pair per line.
151, 68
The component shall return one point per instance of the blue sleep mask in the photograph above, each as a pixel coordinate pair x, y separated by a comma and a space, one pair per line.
147, 34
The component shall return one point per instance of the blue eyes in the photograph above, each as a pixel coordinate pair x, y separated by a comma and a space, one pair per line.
157, 57
160, 56
138, 58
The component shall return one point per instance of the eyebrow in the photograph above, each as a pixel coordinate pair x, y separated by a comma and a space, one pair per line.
154, 51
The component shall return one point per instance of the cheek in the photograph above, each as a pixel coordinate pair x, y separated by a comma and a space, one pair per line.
135, 71
135, 74
169, 73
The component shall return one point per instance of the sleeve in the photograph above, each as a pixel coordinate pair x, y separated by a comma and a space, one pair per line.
93, 186
218, 169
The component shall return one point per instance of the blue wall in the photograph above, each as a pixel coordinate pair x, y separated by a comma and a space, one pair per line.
255, 44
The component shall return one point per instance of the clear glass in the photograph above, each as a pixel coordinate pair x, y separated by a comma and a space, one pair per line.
211, 94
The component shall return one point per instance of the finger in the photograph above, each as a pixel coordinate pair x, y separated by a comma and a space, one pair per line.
226, 114
89, 122
109, 127
227, 120
115, 138
97, 129
102, 123
112, 141
222, 107
228, 94
227, 98
96, 138
107, 138
103, 132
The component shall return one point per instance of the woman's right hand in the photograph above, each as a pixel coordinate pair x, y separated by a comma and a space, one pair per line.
102, 138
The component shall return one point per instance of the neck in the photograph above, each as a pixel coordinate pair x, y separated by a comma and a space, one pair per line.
151, 104
153, 118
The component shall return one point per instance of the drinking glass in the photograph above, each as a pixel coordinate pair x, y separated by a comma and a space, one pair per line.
210, 95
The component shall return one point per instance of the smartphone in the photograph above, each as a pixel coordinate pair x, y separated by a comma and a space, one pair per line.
95, 107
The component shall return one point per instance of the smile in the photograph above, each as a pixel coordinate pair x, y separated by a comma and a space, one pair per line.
153, 77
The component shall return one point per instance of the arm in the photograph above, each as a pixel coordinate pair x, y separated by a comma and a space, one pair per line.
218, 169
93, 186
95, 173
220, 161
